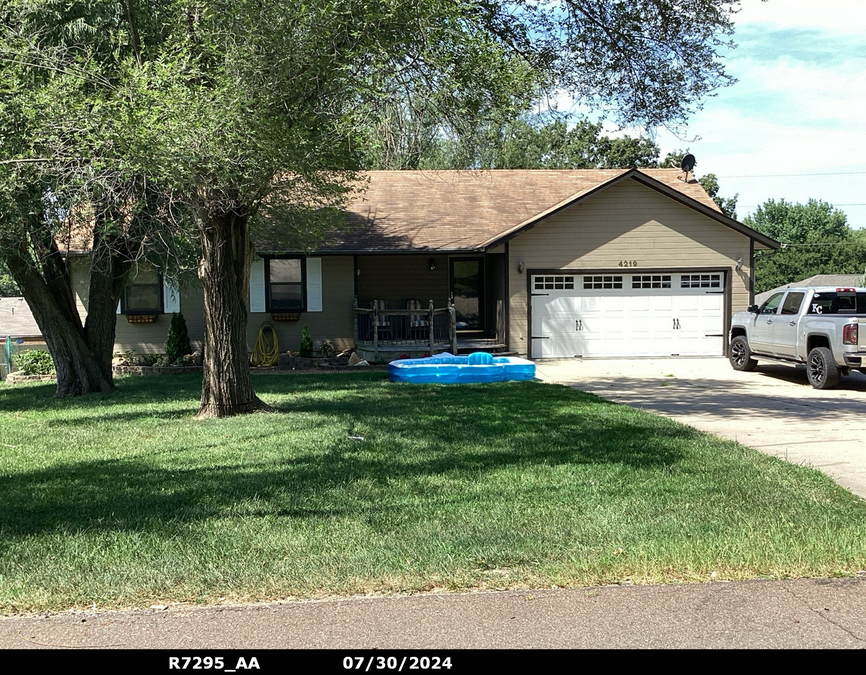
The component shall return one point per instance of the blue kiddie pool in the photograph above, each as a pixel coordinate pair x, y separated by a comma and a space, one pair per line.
446, 368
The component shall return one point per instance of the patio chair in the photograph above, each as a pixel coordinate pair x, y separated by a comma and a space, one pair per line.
418, 323
382, 321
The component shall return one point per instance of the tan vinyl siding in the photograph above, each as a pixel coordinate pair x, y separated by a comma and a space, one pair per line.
334, 323
626, 222
149, 338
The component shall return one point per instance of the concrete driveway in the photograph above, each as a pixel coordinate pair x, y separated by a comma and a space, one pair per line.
772, 409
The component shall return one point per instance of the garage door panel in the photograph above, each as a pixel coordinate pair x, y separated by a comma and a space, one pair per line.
630, 321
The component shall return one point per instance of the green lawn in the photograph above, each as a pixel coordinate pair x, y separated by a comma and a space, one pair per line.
126, 500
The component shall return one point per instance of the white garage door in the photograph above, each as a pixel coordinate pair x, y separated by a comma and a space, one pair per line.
609, 315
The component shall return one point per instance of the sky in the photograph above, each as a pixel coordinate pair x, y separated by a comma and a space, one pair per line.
793, 126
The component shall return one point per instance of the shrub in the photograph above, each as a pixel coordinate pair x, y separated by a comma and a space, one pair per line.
306, 349
177, 343
34, 362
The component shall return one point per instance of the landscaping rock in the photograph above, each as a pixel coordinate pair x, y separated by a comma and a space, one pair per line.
12, 378
155, 370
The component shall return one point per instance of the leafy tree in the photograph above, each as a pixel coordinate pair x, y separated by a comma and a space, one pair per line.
816, 239
728, 205
230, 108
65, 139
8, 287
535, 142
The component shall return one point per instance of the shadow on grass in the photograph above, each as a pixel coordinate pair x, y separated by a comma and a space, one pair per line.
418, 442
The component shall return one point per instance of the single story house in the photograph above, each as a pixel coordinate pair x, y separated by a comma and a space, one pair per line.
18, 331
542, 263
17, 321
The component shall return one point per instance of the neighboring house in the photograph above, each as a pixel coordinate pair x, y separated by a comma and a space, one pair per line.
838, 280
17, 322
18, 331
591, 263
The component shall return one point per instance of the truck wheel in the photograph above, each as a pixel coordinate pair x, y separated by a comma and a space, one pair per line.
821, 369
741, 355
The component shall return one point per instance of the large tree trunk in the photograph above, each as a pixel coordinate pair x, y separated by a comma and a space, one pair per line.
224, 273
53, 306
110, 262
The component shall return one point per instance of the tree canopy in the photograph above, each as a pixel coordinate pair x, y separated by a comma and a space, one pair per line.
8, 287
187, 118
68, 143
816, 239
532, 142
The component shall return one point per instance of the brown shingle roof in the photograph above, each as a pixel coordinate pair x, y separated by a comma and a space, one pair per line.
425, 211
468, 210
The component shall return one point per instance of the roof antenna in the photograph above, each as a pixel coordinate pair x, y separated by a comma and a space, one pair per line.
688, 166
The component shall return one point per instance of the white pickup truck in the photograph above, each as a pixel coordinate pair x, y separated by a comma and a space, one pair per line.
818, 327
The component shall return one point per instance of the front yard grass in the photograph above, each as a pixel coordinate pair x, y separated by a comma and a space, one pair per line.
358, 485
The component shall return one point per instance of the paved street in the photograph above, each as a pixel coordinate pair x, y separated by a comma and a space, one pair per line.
806, 613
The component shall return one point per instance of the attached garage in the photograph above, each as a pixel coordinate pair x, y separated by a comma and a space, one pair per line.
634, 267
647, 313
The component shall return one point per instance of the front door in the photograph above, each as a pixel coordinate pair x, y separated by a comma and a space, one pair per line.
467, 292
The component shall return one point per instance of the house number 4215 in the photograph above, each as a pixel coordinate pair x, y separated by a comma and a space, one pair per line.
628, 263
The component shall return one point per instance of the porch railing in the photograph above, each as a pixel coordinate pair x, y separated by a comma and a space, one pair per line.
392, 330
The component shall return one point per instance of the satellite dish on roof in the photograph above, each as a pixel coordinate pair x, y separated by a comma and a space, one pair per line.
688, 163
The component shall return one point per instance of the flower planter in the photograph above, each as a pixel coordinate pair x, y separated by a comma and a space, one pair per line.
141, 318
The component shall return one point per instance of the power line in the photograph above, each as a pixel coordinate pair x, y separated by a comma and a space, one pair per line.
846, 242
752, 206
795, 175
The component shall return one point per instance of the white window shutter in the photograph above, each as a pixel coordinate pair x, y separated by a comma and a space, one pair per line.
314, 284
170, 297
257, 286
118, 307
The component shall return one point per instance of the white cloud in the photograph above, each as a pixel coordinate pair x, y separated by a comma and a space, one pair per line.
839, 16
797, 108
811, 93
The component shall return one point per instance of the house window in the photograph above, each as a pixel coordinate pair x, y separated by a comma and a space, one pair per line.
651, 281
143, 293
602, 282
554, 283
701, 281
285, 284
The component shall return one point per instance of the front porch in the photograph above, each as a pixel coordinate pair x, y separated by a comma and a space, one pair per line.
386, 334
465, 311
382, 333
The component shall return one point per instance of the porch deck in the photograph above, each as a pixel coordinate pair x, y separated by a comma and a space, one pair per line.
389, 332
